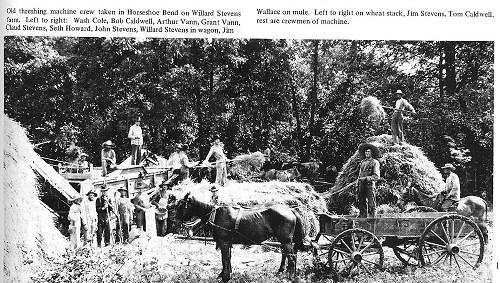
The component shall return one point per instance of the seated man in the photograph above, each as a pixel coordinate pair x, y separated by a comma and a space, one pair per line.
452, 188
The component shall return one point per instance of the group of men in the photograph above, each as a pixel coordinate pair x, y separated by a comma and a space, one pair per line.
93, 215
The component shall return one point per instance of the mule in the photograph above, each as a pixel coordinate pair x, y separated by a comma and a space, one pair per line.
236, 225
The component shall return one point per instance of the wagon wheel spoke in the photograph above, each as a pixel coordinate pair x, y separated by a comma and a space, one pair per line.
367, 246
469, 253
361, 241
434, 244
322, 254
466, 237
341, 260
353, 241
440, 258
365, 268
432, 231
460, 231
458, 265
376, 264
373, 253
466, 261
469, 244
452, 234
340, 252
328, 238
445, 231
342, 241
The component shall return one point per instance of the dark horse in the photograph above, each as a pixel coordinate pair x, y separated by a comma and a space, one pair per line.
236, 225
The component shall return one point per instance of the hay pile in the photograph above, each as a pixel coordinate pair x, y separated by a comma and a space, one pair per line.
371, 108
299, 195
246, 166
31, 239
399, 164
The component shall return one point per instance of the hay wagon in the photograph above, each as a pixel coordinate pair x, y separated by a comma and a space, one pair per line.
353, 245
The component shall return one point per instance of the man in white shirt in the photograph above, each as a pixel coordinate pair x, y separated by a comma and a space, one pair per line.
402, 105
452, 187
180, 164
136, 140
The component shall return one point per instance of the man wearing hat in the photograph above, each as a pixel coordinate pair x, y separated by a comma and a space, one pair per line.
136, 141
451, 187
217, 150
402, 105
369, 173
75, 222
161, 213
125, 208
141, 204
89, 216
83, 162
180, 164
104, 210
108, 157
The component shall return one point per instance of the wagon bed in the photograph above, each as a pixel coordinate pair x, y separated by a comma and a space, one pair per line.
352, 245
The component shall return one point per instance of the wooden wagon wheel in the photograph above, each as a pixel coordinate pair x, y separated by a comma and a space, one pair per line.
452, 239
420, 209
354, 251
407, 252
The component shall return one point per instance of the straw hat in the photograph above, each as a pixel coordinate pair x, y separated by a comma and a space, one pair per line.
214, 189
84, 155
122, 189
73, 199
399, 92
448, 166
108, 143
104, 189
92, 191
364, 146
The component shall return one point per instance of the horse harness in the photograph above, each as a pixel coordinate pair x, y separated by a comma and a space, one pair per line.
211, 220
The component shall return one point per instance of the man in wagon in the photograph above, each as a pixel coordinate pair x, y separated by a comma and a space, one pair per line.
136, 141
217, 150
402, 105
180, 164
369, 173
452, 187
108, 157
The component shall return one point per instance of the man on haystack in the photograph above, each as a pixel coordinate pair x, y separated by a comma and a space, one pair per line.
402, 105
369, 173
452, 187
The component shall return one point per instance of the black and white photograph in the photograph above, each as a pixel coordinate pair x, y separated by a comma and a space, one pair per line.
136, 159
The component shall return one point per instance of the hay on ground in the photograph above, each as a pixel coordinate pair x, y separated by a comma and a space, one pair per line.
399, 164
246, 165
31, 239
250, 194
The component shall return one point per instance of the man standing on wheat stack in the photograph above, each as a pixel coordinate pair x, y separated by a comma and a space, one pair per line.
402, 105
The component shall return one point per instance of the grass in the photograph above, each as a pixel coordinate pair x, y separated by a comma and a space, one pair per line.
170, 259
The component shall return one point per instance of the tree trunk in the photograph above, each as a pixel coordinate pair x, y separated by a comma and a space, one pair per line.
313, 99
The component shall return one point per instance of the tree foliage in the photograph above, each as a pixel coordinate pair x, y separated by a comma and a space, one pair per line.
297, 97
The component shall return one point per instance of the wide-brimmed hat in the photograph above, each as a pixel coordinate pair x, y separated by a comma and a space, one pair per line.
104, 189
122, 189
108, 143
214, 189
398, 92
84, 155
91, 192
364, 146
75, 198
448, 166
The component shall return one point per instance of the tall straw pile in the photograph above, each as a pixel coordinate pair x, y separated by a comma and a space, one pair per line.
371, 108
297, 195
246, 165
398, 165
31, 239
